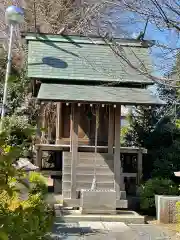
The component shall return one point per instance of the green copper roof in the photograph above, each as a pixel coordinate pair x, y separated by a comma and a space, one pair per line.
96, 94
86, 59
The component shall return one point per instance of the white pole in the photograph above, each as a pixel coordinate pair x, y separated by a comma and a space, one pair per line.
7, 76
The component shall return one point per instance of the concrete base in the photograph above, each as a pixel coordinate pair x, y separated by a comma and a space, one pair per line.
128, 217
98, 201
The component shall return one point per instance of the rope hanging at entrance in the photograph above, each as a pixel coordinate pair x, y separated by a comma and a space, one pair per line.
93, 186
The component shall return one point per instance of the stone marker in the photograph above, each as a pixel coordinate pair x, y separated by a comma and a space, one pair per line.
166, 208
27, 166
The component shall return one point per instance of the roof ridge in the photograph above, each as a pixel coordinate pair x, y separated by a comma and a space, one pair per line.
86, 39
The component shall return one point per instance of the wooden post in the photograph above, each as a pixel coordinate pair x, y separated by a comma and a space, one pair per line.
39, 158
111, 130
139, 166
38, 130
49, 133
59, 123
117, 162
74, 137
71, 127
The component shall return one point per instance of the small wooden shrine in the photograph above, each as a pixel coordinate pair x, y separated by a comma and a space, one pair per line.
86, 80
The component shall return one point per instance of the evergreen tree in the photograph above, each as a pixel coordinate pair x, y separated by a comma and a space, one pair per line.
158, 130
160, 136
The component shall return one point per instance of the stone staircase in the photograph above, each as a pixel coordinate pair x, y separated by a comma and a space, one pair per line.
85, 174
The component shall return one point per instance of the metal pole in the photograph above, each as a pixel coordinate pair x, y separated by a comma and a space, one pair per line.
7, 76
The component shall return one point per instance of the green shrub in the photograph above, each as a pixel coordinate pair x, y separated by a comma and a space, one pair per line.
25, 220
154, 187
38, 184
28, 219
21, 219
18, 132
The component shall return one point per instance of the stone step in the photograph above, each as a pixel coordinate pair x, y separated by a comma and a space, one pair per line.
110, 164
89, 177
128, 217
88, 158
89, 170
87, 185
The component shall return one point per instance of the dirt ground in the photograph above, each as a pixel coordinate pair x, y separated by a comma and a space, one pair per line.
171, 227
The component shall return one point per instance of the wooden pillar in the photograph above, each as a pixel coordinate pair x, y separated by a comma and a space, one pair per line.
111, 130
71, 126
117, 162
74, 140
59, 123
139, 166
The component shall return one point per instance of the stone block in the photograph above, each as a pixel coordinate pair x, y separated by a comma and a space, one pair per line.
122, 204
123, 195
98, 201
166, 208
57, 185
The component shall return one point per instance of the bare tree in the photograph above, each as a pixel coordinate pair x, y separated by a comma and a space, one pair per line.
164, 16
164, 13
93, 17
56, 17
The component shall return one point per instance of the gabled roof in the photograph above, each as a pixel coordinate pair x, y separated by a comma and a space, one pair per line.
77, 58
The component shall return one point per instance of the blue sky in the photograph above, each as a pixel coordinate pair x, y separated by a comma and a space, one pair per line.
162, 58
132, 23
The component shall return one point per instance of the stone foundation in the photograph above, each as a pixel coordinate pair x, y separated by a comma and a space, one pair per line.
98, 202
